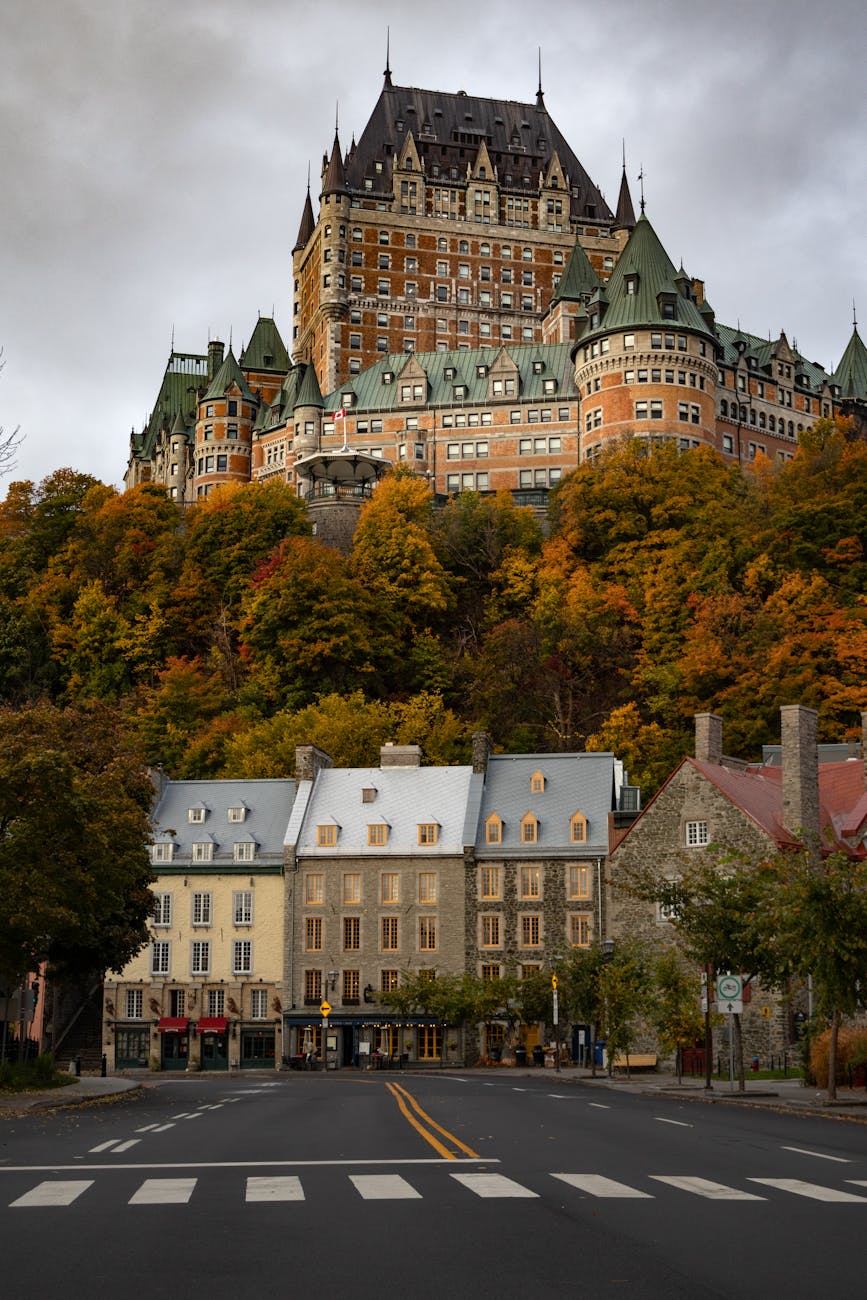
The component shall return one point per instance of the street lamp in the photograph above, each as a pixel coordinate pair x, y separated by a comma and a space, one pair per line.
330, 986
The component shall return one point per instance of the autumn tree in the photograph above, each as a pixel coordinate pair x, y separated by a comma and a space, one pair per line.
74, 868
675, 1009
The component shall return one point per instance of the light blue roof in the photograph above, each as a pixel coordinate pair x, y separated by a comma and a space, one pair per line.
267, 807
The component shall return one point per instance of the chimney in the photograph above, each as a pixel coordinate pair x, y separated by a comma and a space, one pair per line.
309, 760
708, 737
215, 357
798, 733
392, 755
482, 747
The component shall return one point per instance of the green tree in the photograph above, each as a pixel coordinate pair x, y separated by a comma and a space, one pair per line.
74, 868
676, 1008
625, 982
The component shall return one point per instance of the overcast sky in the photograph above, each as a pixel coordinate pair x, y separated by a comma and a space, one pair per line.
154, 163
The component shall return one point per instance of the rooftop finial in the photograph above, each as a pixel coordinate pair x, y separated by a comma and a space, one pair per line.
641, 179
173, 335
308, 175
540, 98
623, 142
854, 316
336, 117
387, 73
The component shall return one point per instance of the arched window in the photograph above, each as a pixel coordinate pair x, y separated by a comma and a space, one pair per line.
578, 828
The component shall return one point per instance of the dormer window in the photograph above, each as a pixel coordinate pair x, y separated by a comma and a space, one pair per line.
388, 376
368, 794
449, 372
428, 832
238, 813
460, 391
203, 851
482, 371
537, 783
550, 385
377, 834
347, 399
631, 284
326, 834
162, 852
245, 851
529, 829
538, 367
578, 828
494, 829
196, 815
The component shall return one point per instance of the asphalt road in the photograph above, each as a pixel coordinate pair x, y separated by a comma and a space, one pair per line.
372, 1185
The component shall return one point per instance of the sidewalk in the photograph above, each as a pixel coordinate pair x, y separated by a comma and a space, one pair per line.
87, 1088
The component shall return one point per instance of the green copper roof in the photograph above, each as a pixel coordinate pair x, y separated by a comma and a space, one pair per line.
579, 279
310, 393
185, 373
266, 350
851, 374
809, 374
228, 374
643, 272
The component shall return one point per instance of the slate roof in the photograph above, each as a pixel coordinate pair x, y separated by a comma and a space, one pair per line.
307, 226
228, 375
851, 374
762, 352
578, 280
405, 796
268, 805
585, 783
521, 140
266, 349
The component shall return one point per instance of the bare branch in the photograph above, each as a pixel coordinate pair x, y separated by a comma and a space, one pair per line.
9, 442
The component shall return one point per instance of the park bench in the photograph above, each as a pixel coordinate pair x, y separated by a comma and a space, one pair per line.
636, 1061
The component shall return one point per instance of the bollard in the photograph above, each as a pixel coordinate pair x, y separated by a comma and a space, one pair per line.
78, 1066
104, 1070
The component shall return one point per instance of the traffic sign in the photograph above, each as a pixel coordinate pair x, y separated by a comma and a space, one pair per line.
730, 993
553, 981
325, 1008
766, 1012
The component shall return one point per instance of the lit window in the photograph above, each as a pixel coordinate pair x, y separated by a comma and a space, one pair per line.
578, 828
579, 882
531, 882
428, 832
529, 829
326, 835
389, 980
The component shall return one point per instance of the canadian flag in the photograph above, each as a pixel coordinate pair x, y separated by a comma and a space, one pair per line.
341, 414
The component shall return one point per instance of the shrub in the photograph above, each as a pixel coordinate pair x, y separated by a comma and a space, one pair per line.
851, 1052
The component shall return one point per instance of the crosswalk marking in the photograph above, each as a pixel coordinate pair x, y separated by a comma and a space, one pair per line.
704, 1187
493, 1185
384, 1187
812, 1190
287, 1188
103, 1146
161, 1128
148, 1128
597, 1185
60, 1193
125, 1146
164, 1191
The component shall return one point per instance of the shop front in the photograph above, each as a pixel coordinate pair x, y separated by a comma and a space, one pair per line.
174, 1032
258, 1047
214, 1040
362, 1042
132, 1047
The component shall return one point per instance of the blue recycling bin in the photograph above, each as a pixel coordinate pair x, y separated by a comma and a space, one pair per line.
599, 1052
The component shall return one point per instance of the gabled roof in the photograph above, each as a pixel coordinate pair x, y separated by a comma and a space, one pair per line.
268, 805
585, 783
266, 349
228, 376
736, 342
184, 374
520, 138
851, 374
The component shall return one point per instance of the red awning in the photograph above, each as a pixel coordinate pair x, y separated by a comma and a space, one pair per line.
213, 1025
173, 1025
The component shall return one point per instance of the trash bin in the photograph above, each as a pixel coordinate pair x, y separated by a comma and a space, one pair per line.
520, 1056
538, 1054
599, 1055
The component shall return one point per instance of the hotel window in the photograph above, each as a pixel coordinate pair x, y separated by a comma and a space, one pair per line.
579, 930
258, 1004
314, 888
326, 835
579, 882
529, 829
427, 886
242, 956
162, 913
578, 828
242, 907
490, 886
244, 851
237, 814
427, 933
313, 987
537, 783
530, 931
531, 882
377, 833
162, 852
696, 834
390, 887
313, 934
389, 980
351, 933
490, 931
133, 1004
161, 957
200, 957
352, 887
351, 987
201, 908
390, 934
203, 851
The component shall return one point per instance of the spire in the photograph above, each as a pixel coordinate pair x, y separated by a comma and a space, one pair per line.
308, 222
625, 216
579, 279
335, 177
641, 178
540, 98
310, 394
851, 374
387, 73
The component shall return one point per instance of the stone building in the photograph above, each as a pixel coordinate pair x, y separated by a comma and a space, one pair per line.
207, 991
711, 804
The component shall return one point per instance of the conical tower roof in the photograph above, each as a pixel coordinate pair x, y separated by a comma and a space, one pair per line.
229, 373
308, 224
579, 279
624, 218
310, 394
335, 179
266, 349
851, 374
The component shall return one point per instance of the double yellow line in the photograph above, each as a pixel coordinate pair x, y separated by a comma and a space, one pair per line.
404, 1101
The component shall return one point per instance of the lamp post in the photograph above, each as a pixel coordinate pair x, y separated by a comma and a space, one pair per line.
607, 948
330, 985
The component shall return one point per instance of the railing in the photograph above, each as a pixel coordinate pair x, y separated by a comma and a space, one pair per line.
323, 490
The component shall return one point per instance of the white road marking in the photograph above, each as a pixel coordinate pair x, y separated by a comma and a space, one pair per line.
274, 1189
811, 1190
185, 1114
60, 1193
163, 1191
704, 1187
383, 1187
161, 1128
125, 1146
597, 1105
195, 1115
519, 1090
561, 1096
596, 1185
248, 1164
678, 1122
494, 1185
820, 1155
103, 1146
148, 1128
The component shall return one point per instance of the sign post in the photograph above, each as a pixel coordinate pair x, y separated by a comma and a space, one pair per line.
325, 1011
556, 1016
730, 1000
